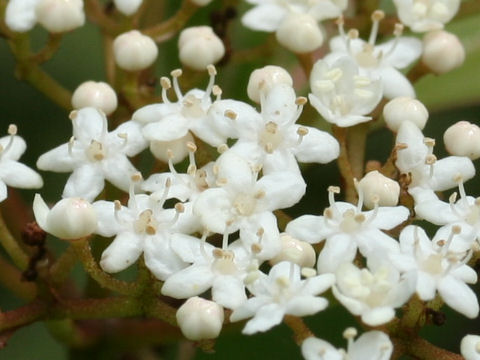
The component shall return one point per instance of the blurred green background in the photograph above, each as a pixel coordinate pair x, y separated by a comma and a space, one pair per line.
449, 98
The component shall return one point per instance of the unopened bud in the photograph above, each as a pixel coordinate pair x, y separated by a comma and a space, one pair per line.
442, 51
299, 33
200, 319
99, 95
199, 47
463, 139
264, 79
127, 7
296, 251
377, 187
134, 51
404, 108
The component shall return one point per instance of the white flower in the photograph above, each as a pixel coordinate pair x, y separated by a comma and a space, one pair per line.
94, 154
281, 293
143, 226
20, 15
99, 95
199, 46
273, 140
379, 61
435, 267
373, 345
341, 95
13, 173
346, 227
134, 51
372, 292
222, 270
426, 15
470, 347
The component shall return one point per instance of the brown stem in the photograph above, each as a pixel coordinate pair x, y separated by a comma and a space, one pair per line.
356, 142
50, 48
24, 315
422, 349
11, 279
300, 330
344, 164
96, 15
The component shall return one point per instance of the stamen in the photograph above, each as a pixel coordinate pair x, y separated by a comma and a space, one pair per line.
398, 31
70, 145
161, 200
360, 194
340, 24
124, 137
217, 92
375, 200
331, 197
12, 129
166, 84
211, 72
232, 115
301, 131
456, 229
377, 16
222, 148
459, 180
73, 115
350, 334
135, 178
225, 240
308, 272
117, 207
175, 75
203, 240
192, 167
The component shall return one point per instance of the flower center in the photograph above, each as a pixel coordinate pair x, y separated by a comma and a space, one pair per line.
270, 137
146, 224
245, 204
224, 262
192, 107
351, 221
95, 151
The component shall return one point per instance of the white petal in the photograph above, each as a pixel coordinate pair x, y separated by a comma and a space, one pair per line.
188, 282
266, 317
135, 141
169, 128
309, 228
213, 207
40, 209
153, 113
317, 146
160, 258
18, 175
371, 345
86, 182
338, 249
305, 305
228, 291
378, 316
20, 15
318, 284
117, 169
458, 296
15, 148
89, 123
121, 253
264, 17
107, 224
189, 248
57, 159
388, 216
426, 286
248, 309
407, 50
3, 191
395, 84
282, 190
448, 169
318, 349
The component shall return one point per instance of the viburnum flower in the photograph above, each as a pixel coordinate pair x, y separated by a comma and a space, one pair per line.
426, 15
245, 204
436, 268
345, 227
373, 345
171, 121
379, 61
222, 270
13, 173
282, 293
267, 15
273, 140
415, 157
341, 95
142, 227
470, 347
374, 292
94, 154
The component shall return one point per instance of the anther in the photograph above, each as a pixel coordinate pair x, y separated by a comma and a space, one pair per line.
217, 253
429, 142
340, 20
136, 177
165, 83
350, 333
232, 115
222, 148
308, 272
12, 129
302, 131
456, 229
430, 159
170, 153
260, 194
300, 101
191, 146
353, 34
70, 145
334, 189
211, 70
256, 248
217, 91
73, 114
179, 207
176, 73
398, 30
118, 205
378, 15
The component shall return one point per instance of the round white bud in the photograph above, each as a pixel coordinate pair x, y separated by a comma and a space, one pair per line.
199, 47
176, 149
70, 218
99, 95
201, 2
463, 139
296, 251
264, 79
299, 33
200, 319
127, 7
470, 347
404, 108
134, 51
377, 188
60, 15
442, 51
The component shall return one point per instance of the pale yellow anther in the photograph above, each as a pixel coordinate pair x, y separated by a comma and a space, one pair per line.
150, 230
441, 243
211, 70
430, 159
302, 131
334, 189
215, 169
350, 333
260, 232
453, 198
401, 146
165, 83
256, 248
328, 213
217, 253
353, 34
73, 114
271, 127
191, 146
301, 100
123, 136
118, 205
170, 153
477, 201
179, 207
359, 218
458, 178
222, 148
269, 148
260, 195
251, 277
216, 90
398, 30
477, 347
136, 177
308, 272
221, 182
168, 182
456, 229
12, 129
340, 20
282, 281
176, 73
230, 114
429, 142
378, 15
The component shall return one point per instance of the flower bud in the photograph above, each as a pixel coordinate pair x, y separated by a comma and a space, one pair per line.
199, 47
404, 108
264, 79
379, 189
70, 218
201, 2
299, 33
470, 347
296, 251
60, 15
177, 149
99, 95
463, 139
200, 319
134, 51
442, 51
127, 7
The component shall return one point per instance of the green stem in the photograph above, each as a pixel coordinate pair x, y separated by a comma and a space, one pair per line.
84, 254
11, 246
62, 268
300, 330
419, 348
356, 142
344, 164
11, 279
50, 48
